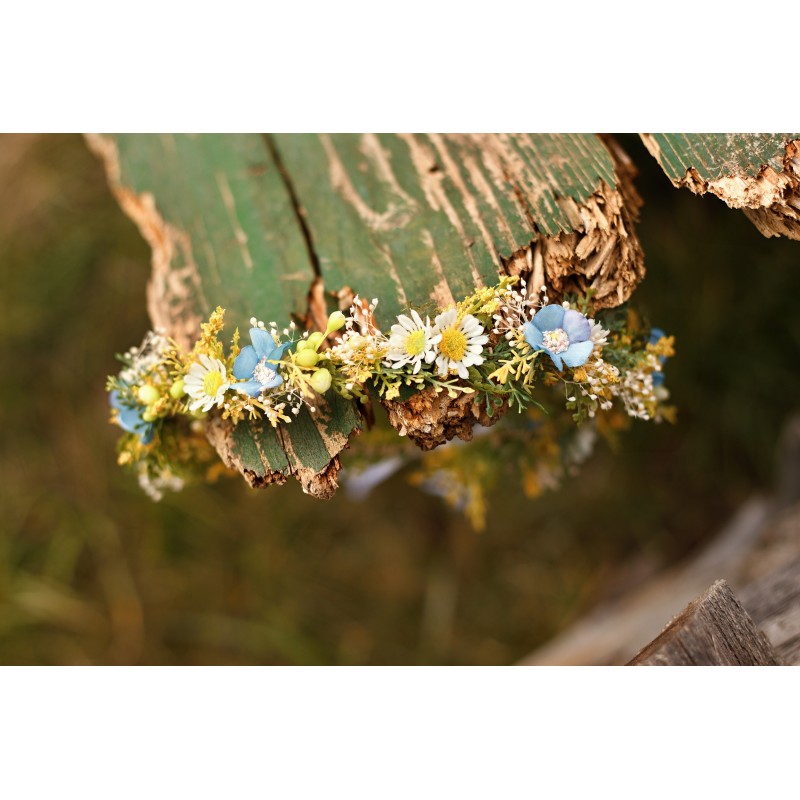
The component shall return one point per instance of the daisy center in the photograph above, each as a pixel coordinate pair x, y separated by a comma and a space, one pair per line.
415, 343
453, 344
211, 383
556, 341
264, 374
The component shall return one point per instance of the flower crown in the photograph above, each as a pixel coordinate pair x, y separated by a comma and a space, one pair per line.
502, 345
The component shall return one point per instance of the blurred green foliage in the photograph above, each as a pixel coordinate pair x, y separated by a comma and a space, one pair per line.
91, 571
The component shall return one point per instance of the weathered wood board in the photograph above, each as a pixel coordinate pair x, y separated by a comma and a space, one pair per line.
281, 226
757, 172
774, 605
223, 229
714, 630
418, 220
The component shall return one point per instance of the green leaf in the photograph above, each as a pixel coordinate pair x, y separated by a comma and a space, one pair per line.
757, 172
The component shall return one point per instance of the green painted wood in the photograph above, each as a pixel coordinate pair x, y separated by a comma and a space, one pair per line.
242, 247
718, 155
305, 447
225, 193
416, 219
251, 440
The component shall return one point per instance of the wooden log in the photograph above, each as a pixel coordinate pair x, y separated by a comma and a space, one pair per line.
774, 604
758, 553
713, 630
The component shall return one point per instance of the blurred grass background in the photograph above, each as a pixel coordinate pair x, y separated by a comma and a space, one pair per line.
91, 571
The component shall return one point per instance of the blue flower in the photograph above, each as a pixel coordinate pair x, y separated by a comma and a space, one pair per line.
257, 364
655, 335
564, 334
130, 419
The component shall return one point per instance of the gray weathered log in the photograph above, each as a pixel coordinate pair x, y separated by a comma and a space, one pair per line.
774, 605
763, 538
714, 630
612, 632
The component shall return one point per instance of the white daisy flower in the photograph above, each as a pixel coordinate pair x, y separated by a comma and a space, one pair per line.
412, 342
460, 343
206, 383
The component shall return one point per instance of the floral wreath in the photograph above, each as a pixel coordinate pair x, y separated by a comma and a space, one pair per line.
504, 345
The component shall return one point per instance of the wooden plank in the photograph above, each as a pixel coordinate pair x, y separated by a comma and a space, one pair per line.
221, 222
716, 155
420, 220
224, 230
773, 602
253, 222
714, 630
757, 172
610, 633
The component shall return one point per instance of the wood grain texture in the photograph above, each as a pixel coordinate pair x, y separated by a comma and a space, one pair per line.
773, 602
714, 630
420, 220
756, 172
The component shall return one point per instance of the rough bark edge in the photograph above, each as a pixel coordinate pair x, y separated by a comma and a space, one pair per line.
770, 199
430, 419
322, 484
713, 630
601, 254
174, 279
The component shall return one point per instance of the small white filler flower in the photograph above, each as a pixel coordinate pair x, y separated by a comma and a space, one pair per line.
460, 343
206, 383
412, 342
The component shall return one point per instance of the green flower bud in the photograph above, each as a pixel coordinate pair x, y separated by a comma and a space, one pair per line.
316, 339
176, 390
335, 322
149, 415
304, 344
321, 381
307, 357
148, 395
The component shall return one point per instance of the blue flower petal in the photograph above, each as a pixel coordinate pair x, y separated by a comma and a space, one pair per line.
556, 358
655, 335
576, 326
245, 362
277, 353
253, 388
549, 318
130, 419
577, 353
533, 336
263, 342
